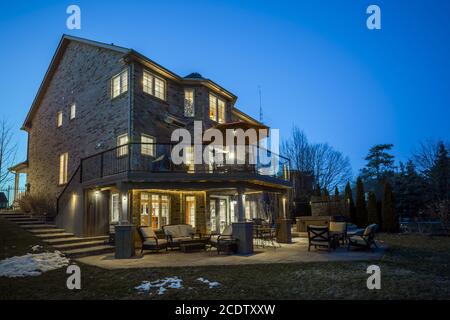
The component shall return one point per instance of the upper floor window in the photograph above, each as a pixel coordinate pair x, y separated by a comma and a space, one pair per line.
59, 119
119, 84
189, 110
216, 108
73, 109
147, 145
122, 142
154, 85
63, 164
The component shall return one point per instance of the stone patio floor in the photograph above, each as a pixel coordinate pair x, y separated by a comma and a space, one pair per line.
287, 253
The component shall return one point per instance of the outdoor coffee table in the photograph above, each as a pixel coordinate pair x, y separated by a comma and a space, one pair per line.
192, 246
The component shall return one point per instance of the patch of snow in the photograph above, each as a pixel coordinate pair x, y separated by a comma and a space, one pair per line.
32, 264
36, 248
212, 284
161, 285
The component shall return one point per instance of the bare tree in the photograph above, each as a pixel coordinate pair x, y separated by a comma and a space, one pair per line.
8, 149
425, 155
329, 167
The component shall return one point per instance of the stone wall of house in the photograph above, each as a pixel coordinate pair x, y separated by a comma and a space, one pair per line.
82, 77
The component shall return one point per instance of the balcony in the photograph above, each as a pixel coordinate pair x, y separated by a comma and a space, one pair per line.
150, 162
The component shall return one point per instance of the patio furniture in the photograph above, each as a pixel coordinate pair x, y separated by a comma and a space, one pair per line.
339, 230
319, 236
224, 242
180, 233
365, 240
192, 246
149, 239
265, 236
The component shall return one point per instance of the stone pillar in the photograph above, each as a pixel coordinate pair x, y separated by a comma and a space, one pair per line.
16, 185
124, 241
243, 232
124, 205
284, 224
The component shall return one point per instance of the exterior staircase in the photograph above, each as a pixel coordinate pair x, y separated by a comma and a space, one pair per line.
67, 243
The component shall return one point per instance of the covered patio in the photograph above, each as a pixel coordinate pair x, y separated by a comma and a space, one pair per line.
296, 252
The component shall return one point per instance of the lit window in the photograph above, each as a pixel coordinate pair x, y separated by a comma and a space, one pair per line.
63, 163
190, 210
189, 102
122, 142
59, 119
73, 109
154, 85
115, 207
147, 146
119, 84
216, 109
189, 158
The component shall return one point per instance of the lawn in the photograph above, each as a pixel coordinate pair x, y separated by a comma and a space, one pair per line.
414, 267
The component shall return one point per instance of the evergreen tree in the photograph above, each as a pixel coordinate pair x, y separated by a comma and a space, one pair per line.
317, 191
360, 204
325, 194
372, 211
336, 194
351, 204
440, 175
409, 189
389, 220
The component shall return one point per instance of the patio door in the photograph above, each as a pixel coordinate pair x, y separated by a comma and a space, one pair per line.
190, 210
154, 210
219, 213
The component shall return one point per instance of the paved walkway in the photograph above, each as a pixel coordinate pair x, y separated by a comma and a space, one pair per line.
288, 253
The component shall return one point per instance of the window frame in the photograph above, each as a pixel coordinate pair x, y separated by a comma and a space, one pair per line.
63, 168
151, 148
192, 90
122, 149
216, 107
73, 111
112, 215
59, 119
121, 84
153, 78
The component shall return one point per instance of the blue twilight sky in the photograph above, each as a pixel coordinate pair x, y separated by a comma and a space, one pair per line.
318, 65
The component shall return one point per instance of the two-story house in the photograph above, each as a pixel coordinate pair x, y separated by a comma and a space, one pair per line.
99, 144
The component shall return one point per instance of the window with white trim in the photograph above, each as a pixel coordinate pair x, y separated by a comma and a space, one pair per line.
147, 145
119, 84
73, 110
189, 109
63, 164
122, 142
115, 207
59, 119
153, 85
216, 108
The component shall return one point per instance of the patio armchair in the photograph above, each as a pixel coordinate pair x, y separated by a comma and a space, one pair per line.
365, 240
223, 242
149, 240
179, 233
319, 236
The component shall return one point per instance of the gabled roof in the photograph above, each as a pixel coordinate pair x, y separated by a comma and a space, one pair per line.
193, 78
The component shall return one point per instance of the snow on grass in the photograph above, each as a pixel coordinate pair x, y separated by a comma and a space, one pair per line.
161, 285
32, 264
36, 248
212, 284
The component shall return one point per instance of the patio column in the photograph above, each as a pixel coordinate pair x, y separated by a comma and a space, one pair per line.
124, 231
241, 205
16, 185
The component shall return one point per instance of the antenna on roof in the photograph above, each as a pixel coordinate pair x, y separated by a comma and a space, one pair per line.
260, 105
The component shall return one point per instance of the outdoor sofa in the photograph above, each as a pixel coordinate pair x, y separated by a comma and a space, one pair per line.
179, 233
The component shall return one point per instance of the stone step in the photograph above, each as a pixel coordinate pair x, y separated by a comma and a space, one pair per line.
37, 226
46, 231
90, 251
28, 222
79, 245
24, 220
54, 235
58, 241
15, 216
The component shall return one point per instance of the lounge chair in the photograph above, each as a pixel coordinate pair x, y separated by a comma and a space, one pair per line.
319, 236
179, 233
365, 239
223, 242
149, 240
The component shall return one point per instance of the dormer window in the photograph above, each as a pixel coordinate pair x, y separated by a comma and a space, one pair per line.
189, 110
216, 108
154, 85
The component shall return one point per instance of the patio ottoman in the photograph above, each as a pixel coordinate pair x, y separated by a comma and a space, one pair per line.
192, 246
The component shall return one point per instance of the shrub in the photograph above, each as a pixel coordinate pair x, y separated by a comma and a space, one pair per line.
37, 205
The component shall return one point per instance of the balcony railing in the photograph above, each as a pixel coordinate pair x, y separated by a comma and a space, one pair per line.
157, 158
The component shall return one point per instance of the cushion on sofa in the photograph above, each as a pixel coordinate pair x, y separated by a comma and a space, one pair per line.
147, 232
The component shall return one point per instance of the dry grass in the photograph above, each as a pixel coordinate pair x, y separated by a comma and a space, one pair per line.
415, 267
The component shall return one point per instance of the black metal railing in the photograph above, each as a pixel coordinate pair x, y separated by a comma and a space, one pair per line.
157, 158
